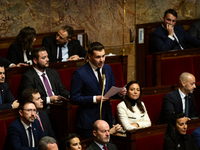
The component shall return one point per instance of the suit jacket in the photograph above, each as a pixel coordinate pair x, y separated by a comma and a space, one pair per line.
172, 102
84, 86
159, 40
31, 80
7, 97
94, 146
196, 136
17, 139
16, 55
74, 47
5, 62
46, 124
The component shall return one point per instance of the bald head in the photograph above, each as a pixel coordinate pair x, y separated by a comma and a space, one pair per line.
187, 82
101, 132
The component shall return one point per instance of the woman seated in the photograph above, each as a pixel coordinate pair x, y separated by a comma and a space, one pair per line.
176, 136
131, 111
20, 50
70, 142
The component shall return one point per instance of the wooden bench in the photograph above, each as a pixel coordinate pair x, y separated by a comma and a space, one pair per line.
143, 32
150, 138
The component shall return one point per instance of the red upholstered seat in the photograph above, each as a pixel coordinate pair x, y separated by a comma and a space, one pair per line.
117, 71
153, 104
189, 131
3, 53
74, 108
149, 70
3, 133
171, 69
65, 76
8, 122
150, 143
16, 80
114, 104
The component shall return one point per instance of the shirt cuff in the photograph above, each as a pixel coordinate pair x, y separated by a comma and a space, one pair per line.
48, 100
94, 99
11, 65
171, 37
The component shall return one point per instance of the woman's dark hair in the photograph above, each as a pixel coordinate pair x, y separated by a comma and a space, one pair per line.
25, 38
127, 100
65, 141
172, 121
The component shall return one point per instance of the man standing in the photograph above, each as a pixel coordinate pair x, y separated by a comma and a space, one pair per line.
7, 101
179, 100
170, 37
24, 132
61, 47
86, 90
44, 79
33, 95
101, 132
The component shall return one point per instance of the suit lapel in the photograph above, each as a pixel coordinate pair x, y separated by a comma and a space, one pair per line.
51, 80
95, 146
92, 76
2, 90
178, 97
69, 45
34, 130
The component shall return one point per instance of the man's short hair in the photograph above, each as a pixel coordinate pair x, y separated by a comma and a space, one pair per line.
95, 46
45, 141
21, 105
69, 30
27, 94
2, 64
170, 11
35, 52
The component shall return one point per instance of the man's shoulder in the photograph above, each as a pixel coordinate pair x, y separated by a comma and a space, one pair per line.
158, 29
16, 124
50, 38
111, 145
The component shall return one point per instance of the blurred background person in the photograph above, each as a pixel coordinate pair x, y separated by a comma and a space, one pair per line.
20, 50
131, 112
47, 143
70, 142
176, 136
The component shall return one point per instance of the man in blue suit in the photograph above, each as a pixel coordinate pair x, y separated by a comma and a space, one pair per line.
181, 99
24, 132
86, 91
33, 95
170, 37
196, 136
7, 101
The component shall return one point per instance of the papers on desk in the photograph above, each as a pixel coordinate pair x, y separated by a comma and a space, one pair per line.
113, 90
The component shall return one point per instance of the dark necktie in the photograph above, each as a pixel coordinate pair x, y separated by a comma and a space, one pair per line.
0, 98
47, 85
30, 137
99, 76
105, 148
186, 107
60, 54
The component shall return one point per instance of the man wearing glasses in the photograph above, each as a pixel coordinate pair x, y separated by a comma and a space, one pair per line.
25, 131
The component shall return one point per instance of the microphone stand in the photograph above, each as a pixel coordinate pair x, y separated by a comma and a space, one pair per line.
103, 78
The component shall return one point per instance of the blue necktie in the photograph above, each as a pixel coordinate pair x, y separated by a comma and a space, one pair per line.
186, 107
0, 98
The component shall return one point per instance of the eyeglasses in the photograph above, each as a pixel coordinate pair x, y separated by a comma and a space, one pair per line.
31, 110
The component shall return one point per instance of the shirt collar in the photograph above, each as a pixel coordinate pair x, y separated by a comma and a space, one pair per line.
26, 126
39, 72
100, 145
181, 93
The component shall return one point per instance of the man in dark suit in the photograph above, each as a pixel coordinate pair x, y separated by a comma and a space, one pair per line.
196, 136
86, 90
24, 132
101, 132
7, 101
61, 47
33, 95
170, 37
179, 100
44, 79
47, 143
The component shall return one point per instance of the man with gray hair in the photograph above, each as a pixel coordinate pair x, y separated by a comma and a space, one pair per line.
61, 46
181, 99
47, 143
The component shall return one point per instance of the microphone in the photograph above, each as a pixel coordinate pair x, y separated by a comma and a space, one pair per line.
103, 78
